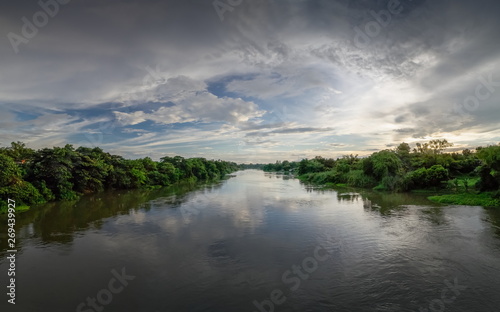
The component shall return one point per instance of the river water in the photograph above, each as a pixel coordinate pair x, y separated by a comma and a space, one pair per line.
254, 242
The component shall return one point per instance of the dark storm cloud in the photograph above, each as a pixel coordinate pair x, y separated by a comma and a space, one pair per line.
169, 62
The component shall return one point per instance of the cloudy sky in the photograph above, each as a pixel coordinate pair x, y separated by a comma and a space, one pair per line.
249, 80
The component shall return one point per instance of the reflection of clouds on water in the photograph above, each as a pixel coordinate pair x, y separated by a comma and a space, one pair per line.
246, 231
138, 217
243, 210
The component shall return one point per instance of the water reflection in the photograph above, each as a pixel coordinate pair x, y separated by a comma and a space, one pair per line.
220, 247
57, 222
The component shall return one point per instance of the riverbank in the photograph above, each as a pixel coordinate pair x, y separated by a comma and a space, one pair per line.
229, 244
32, 177
182, 184
438, 195
470, 199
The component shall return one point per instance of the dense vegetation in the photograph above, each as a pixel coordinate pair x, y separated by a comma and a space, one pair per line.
64, 173
404, 169
251, 166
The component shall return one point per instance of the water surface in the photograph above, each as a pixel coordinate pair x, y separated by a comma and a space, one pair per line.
227, 246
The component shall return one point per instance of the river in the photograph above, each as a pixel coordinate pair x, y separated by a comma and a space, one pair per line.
254, 242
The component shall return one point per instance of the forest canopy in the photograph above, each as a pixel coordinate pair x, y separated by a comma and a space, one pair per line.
64, 173
403, 168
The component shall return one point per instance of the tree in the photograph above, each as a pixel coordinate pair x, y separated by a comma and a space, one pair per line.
9, 172
403, 149
310, 166
423, 177
286, 166
54, 167
490, 170
421, 148
438, 146
18, 152
13, 186
386, 163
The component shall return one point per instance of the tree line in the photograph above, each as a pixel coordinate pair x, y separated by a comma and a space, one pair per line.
404, 168
64, 173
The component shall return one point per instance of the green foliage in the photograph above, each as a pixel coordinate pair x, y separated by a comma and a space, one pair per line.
423, 177
330, 176
252, 166
9, 172
18, 152
490, 170
403, 149
433, 147
358, 178
54, 167
44, 191
310, 166
342, 167
385, 163
483, 199
401, 169
391, 183
427, 166
23, 192
63, 173
278, 166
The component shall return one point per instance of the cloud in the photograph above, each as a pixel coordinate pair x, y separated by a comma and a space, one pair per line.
170, 77
191, 102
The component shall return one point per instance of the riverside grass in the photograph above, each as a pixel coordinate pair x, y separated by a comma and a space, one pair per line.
485, 199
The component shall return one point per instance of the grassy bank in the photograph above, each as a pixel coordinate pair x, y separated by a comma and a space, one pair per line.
453, 192
22, 208
471, 199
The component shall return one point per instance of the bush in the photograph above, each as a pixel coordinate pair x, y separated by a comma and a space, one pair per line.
385, 163
358, 178
44, 190
436, 174
310, 166
22, 192
9, 170
423, 177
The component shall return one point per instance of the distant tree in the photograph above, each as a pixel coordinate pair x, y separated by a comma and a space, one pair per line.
310, 166
467, 152
18, 152
438, 146
286, 165
403, 149
386, 163
422, 148
9, 172
490, 170
14, 187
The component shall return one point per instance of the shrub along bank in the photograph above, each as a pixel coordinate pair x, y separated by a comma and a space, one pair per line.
468, 177
64, 173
